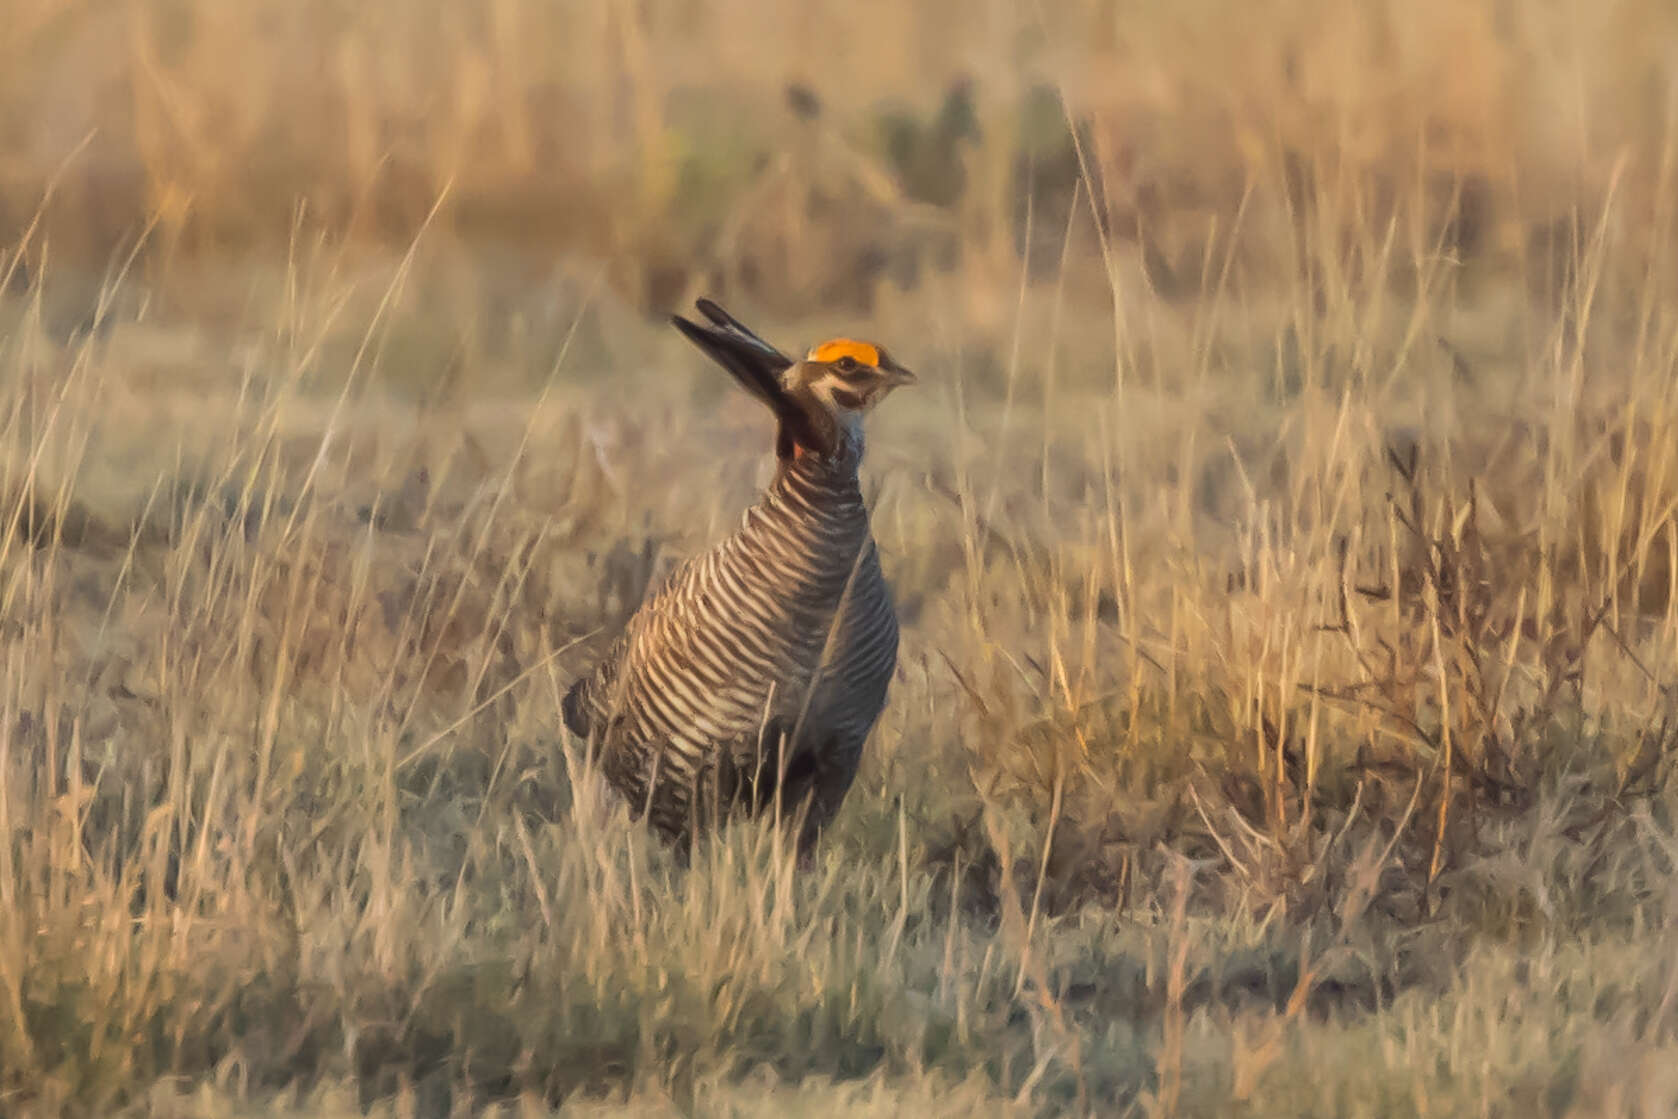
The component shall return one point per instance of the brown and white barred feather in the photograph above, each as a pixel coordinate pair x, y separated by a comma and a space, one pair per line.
759, 668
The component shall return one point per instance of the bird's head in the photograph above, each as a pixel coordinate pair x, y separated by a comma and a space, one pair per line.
819, 401
848, 378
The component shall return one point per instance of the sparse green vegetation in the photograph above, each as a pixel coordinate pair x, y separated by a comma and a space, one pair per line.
1284, 532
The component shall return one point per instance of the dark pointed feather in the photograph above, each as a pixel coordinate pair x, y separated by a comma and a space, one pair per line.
728, 322
743, 359
758, 366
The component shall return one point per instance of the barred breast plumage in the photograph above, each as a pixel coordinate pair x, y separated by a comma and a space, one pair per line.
755, 674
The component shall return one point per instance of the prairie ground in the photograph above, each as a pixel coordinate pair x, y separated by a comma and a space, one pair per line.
1283, 530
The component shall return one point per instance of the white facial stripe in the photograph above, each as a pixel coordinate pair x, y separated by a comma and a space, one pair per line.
857, 394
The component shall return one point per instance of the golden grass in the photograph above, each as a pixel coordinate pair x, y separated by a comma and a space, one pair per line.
1285, 720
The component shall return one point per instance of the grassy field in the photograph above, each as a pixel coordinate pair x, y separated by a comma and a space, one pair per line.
1285, 530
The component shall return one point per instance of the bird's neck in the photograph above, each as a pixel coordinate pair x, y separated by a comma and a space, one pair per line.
836, 470
844, 434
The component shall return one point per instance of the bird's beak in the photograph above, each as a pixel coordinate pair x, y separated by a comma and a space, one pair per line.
896, 375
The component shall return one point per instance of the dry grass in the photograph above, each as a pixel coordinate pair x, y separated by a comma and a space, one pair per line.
1286, 543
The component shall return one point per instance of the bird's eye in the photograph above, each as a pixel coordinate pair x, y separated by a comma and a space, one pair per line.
846, 364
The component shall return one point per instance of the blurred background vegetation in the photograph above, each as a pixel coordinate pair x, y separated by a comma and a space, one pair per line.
812, 156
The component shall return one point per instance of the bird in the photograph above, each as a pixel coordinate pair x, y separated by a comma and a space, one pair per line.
752, 677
